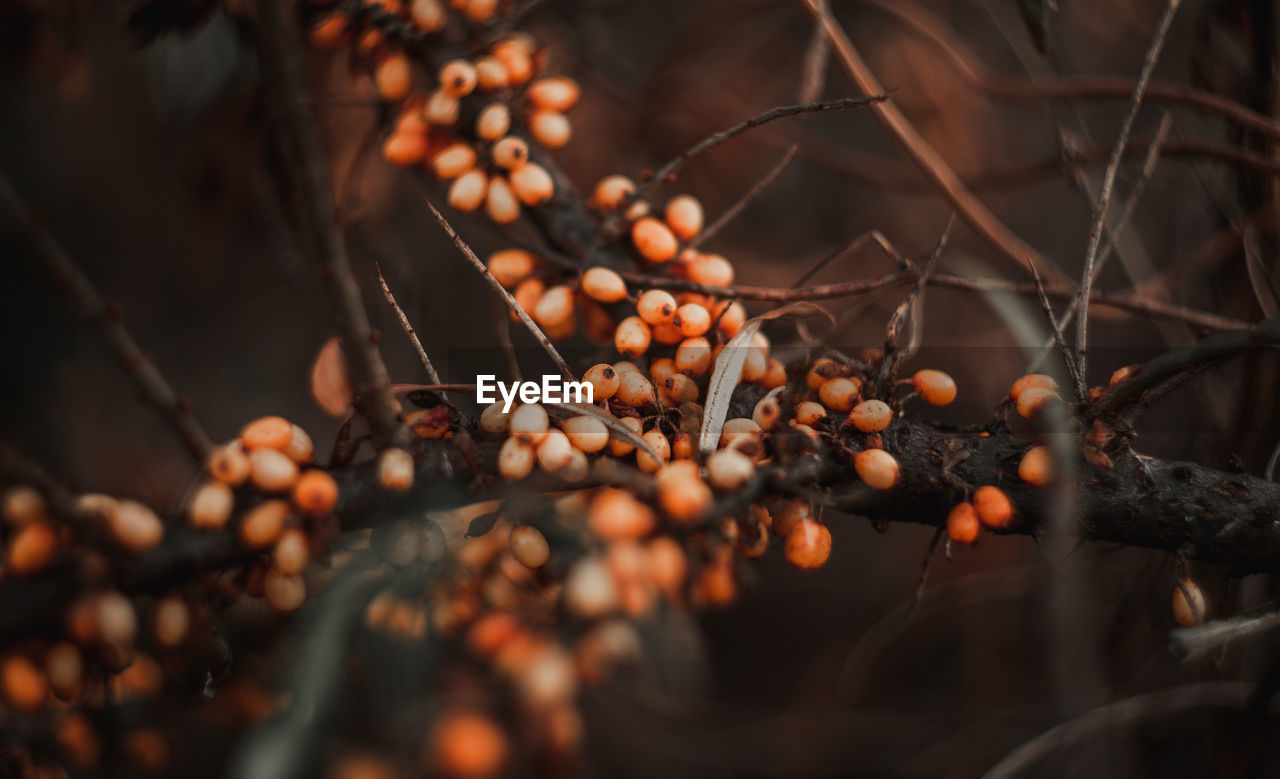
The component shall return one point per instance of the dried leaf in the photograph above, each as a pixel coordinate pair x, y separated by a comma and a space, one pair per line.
330, 384
616, 429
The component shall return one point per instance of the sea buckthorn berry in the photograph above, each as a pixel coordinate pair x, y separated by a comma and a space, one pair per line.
328, 31
529, 423
660, 444
871, 416
1030, 381
23, 504
395, 469
550, 128
529, 546
267, 433
466, 744
993, 506
736, 429
1121, 374
653, 240
822, 370
775, 374
656, 306
877, 468
615, 515
137, 528
1034, 400
634, 389
500, 202
728, 469
300, 447
620, 448
510, 153
428, 15
393, 78
453, 160
491, 75
684, 216
24, 685
554, 451
603, 285
589, 589
554, 307
210, 506
682, 493
810, 413
555, 93
678, 389
1036, 466
710, 269
963, 526
839, 394
228, 464
32, 547
516, 54
272, 471
532, 184
291, 552
441, 109
404, 149
808, 545
692, 320
1188, 612
64, 668
788, 515
586, 433
468, 191
480, 11
603, 379
458, 78
612, 192
527, 293
316, 493
732, 320
493, 123
935, 387
285, 593
263, 524
693, 356
516, 459
493, 419
632, 337
511, 266
767, 412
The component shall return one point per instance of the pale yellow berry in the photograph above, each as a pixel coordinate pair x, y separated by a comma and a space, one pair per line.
611, 192
554, 451
493, 122
586, 433
877, 468
510, 153
468, 191
272, 471
395, 469
529, 423
210, 506
500, 202
555, 93
684, 216
493, 419
532, 184
550, 128
516, 459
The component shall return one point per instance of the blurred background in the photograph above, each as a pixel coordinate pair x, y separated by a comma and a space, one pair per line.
149, 163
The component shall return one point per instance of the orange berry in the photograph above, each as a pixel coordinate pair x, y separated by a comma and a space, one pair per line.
839, 394
328, 31
458, 78
393, 78
684, 216
491, 75
653, 240
64, 668
678, 389
656, 307
603, 380
611, 192
554, 307
767, 412
493, 122
228, 464
529, 424
22, 505
453, 160
615, 515
404, 149
619, 448
551, 129
1031, 380
962, 523
586, 433
25, 686
1036, 466
516, 459
511, 266
532, 184
291, 552
428, 15
527, 293
993, 506
441, 109
693, 356
775, 374
554, 451
1188, 613
284, 592
272, 471
603, 285
871, 416
810, 413
501, 203
734, 317
516, 55
710, 269
263, 524
692, 320
466, 744
529, 546
137, 528
935, 387
555, 93
660, 444
632, 337
510, 152
634, 389
468, 191
315, 493
210, 506
480, 11
1121, 374
808, 545
877, 468
267, 433
1032, 401
32, 547
729, 469
300, 447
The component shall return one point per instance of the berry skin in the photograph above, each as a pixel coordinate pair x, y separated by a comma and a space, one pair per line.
32, 547
515, 459
693, 356
493, 420
300, 447
603, 380
808, 545
316, 493
458, 78
329, 31
550, 128
935, 387
632, 337
871, 416
710, 269
1036, 466
810, 413
1031, 402
441, 109
678, 389
527, 293
393, 78
510, 153
767, 412
775, 374
493, 122
654, 240
271, 471
500, 202
692, 319
993, 506
586, 433
267, 433
728, 469
603, 285
512, 266
682, 493
285, 593
468, 191
532, 184
611, 192
428, 15
554, 451
404, 149
1121, 374
734, 317
263, 524
555, 307
963, 525
210, 506
1031, 380
660, 444
839, 394
228, 464
684, 216
453, 160
23, 684
529, 546
619, 448
614, 515
634, 389
877, 468
656, 307
556, 93
1188, 613
529, 424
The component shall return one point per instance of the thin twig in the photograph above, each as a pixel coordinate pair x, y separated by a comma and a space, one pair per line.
519, 311
408, 328
780, 112
90, 304
309, 190
1108, 185
893, 356
1056, 337
747, 198
502, 326
924, 571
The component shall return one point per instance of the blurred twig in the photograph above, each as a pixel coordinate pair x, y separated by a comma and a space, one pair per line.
407, 326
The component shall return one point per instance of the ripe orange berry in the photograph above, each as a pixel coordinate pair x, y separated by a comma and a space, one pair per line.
678, 389
1031, 380
468, 191
453, 160
684, 216
291, 552
491, 75
428, 15
775, 374
511, 266
24, 685
272, 471
634, 389
935, 387
328, 31
210, 506
611, 192
653, 240
22, 505
729, 469
532, 184
393, 78
510, 152
228, 464
550, 128
316, 493
734, 317
737, 430
1188, 613
555, 307
404, 149
493, 122
620, 448
810, 413
300, 447
267, 433
1036, 466
64, 668
263, 524
529, 423
137, 528
516, 55
692, 320
993, 506
603, 380
529, 546
493, 419
877, 468
441, 109
1121, 374
586, 433
632, 337
660, 444
767, 412
554, 451
693, 356
615, 515
808, 545
500, 202
527, 293
285, 593
32, 547
458, 77
839, 394
479, 11
603, 285
962, 523
656, 307
555, 93
1031, 402
710, 269
467, 745
871, 416
515, 459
